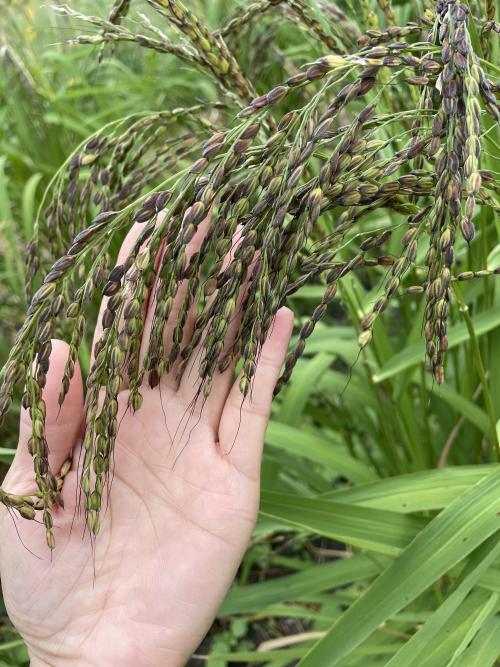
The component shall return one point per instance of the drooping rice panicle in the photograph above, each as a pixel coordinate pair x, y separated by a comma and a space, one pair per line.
283, 183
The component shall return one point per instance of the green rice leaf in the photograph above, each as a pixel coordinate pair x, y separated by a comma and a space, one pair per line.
414, 354
315, 447
443, 543
28, 204
269, 657
305, 380
462, 406
412, 653
484, 649
376, 530
415, 492
7, 454
459, 630
252, 598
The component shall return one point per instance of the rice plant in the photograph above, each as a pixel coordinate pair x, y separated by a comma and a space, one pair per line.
370, 163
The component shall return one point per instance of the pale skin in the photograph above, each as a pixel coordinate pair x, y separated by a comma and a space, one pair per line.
178, 520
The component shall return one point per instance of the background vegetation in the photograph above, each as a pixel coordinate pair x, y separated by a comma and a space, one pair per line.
378, 541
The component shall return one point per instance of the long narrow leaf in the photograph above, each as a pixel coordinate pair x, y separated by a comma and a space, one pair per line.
411, 654
443, 543
415, 354
315, 447
415, 492
298, 392
485, 647
377, 530
7, 454
316, 578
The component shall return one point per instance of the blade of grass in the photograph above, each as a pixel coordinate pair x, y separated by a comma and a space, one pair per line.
484, 648
381, 531
414, 354
415, 648
415, 492
29, 205
442, 650
270, 657
317, 448
464, 407
316, 578
464, 310
483, 615
305, 380
7, 455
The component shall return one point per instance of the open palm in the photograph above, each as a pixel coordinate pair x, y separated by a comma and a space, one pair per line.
182, 506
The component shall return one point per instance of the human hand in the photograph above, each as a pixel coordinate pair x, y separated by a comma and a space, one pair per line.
178, 519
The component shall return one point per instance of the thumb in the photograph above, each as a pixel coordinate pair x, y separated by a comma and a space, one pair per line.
62, 424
